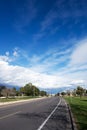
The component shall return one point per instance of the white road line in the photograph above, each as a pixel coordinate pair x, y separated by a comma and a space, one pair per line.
42, 125
9, 115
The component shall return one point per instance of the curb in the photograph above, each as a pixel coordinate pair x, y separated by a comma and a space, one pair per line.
74, 127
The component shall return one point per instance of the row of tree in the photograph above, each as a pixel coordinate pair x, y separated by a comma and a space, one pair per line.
27, 90
79, 91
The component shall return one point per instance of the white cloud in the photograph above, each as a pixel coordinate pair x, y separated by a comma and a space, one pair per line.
4, 58
15, 53
77, 59
49, 19
19, 76
46, 70
8, 57
48, 61
79, 55
7, 53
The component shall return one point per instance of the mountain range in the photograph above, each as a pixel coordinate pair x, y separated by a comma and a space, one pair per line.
48, 90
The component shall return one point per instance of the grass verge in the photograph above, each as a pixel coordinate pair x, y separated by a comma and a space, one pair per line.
79, 109
17, 98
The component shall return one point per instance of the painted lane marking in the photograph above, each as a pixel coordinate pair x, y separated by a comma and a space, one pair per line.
9, 115
42, 125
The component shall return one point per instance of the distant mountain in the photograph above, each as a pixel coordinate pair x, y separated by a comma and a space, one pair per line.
58, 90
48, 90
9, 86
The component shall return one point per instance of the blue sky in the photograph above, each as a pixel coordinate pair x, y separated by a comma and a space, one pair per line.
43, 42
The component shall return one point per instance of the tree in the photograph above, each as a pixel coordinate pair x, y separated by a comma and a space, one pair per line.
86, 92
43, 93
21, 91
30, 90
35, 91
58, 94
17, 92
68, 92
63, 93
8, 92
79, 91
1, 88
74, 92
12, 92
5, 92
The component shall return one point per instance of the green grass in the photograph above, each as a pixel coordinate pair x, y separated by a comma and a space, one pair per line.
17, 98
79, 109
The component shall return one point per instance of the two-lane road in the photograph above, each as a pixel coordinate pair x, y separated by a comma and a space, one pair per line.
45, 114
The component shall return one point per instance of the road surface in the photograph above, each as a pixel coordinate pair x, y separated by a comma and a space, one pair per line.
45, 114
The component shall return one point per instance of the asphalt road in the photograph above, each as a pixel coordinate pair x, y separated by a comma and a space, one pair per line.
45, 114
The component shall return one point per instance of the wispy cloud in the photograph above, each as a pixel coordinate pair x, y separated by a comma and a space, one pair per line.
25, 14
46, 23
54, 68
50, 60
16, 52
77, 65
60, 15
79, 56
10, 56
71, 8
4, 58
48, 20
